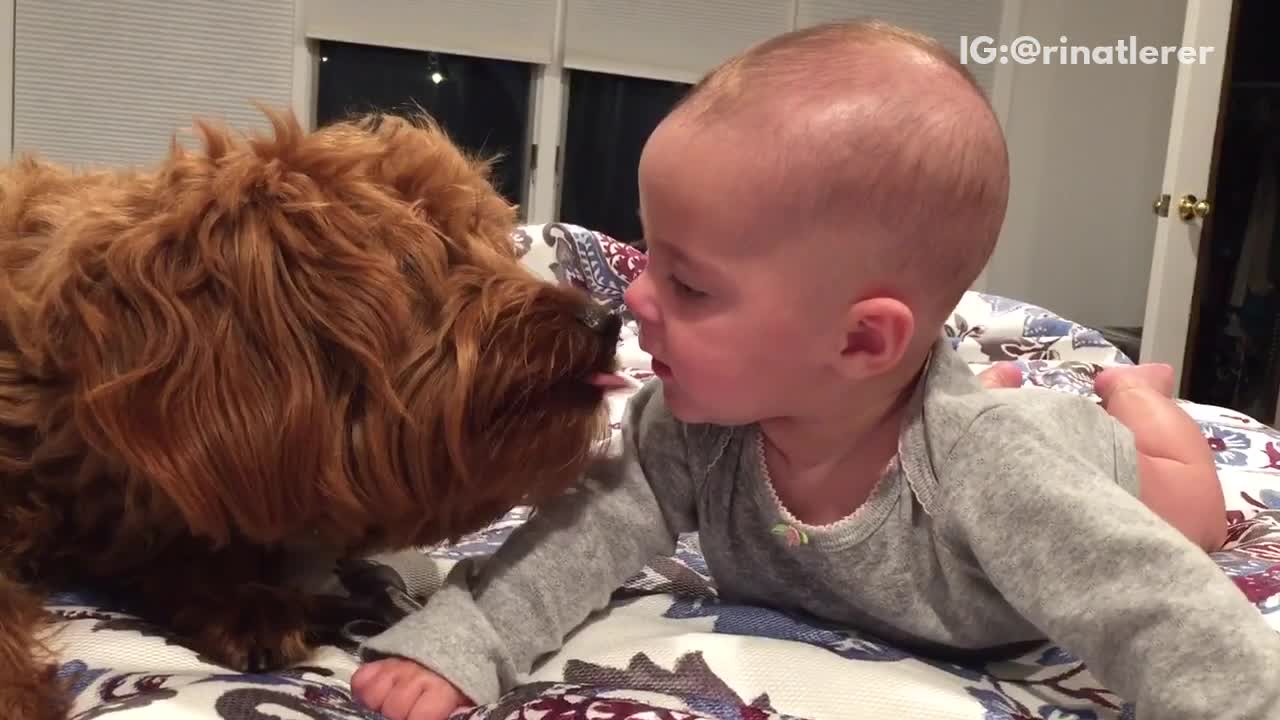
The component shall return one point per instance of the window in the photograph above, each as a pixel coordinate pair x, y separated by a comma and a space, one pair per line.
482, 103
610, 117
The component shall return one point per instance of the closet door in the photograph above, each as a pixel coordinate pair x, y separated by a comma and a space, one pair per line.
1188, 161
104, 82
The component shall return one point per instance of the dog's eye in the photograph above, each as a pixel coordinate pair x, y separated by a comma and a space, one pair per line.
412, 270
409, 269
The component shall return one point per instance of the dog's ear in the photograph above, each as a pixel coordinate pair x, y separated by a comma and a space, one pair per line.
451, 188
227, 323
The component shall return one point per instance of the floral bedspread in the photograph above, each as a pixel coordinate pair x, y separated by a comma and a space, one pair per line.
667, 648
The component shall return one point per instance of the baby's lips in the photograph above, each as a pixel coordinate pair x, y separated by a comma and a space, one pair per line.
610, 381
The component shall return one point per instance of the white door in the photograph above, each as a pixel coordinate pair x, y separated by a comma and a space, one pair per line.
1186, 177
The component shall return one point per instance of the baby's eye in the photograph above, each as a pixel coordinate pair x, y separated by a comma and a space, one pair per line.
685, 289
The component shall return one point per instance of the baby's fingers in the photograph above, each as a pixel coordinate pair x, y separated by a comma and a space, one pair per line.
438, 702
366, 674
405, 696
373, 683
1001, 375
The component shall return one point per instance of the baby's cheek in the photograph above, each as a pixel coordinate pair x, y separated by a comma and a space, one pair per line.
735, 380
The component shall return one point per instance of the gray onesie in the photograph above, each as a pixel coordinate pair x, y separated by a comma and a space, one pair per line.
1008, 516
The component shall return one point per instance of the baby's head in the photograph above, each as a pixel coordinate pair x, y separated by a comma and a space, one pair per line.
813, 210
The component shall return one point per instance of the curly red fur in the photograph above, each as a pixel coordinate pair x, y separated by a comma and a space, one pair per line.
318, 341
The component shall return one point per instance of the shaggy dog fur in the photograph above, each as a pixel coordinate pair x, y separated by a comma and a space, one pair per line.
300, 342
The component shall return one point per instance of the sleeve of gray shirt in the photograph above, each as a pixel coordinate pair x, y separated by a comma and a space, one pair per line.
1151, 615
491, 622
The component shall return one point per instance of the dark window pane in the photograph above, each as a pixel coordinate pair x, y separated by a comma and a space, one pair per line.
482, 103
610, 118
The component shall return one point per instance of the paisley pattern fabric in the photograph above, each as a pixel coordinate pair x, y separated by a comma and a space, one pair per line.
667, 648
586, 259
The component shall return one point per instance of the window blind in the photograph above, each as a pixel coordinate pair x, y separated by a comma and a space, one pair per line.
109, 82
946, 21
666, 39
522, 30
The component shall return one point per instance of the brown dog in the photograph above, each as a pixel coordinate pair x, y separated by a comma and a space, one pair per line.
306, 342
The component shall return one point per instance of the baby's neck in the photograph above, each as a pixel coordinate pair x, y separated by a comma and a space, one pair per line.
824, 466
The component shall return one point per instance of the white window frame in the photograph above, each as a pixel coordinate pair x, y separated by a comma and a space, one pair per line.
306, 69
8, 9
549, 109
8, 17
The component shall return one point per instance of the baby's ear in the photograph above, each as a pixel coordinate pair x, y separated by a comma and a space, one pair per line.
878, 333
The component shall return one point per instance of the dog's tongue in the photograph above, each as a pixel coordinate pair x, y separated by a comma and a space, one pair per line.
609, 381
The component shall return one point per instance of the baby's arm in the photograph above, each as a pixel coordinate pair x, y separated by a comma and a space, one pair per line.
484, 628
1179, 479
1150, 614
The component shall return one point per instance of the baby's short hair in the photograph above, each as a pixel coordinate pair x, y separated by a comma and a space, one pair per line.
928, 165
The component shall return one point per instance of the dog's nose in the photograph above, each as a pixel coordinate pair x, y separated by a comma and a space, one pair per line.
599, 320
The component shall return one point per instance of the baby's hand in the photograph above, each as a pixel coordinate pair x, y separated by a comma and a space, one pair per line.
404, 690
1001, 375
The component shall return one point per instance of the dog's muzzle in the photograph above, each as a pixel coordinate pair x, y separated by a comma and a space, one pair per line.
600, 321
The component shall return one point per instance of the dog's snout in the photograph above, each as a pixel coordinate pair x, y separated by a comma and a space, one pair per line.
600, 320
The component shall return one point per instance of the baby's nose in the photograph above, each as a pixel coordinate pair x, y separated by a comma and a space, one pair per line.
639, 299
599, 320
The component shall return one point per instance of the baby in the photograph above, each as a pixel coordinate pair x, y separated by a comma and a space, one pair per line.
813, 211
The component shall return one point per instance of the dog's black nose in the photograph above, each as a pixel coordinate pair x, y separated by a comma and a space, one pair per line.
599, 320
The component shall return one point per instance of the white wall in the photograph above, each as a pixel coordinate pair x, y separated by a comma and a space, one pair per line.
1087, 147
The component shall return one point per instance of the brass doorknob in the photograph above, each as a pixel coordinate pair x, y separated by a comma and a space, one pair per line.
1189, 207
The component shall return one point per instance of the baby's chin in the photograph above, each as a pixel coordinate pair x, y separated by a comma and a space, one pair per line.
679, 404
691, 412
